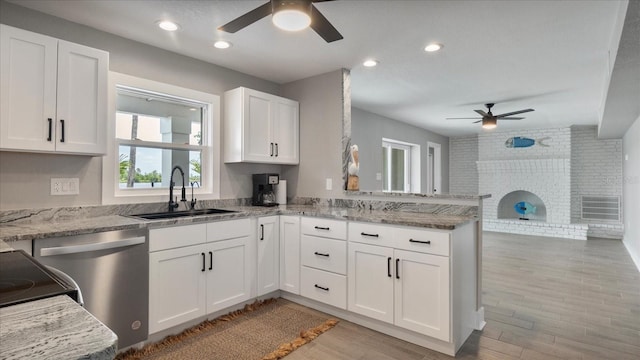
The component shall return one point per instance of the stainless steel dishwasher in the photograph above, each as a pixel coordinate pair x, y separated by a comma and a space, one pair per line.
112, 271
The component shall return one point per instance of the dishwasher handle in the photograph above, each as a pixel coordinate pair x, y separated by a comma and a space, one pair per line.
74, 249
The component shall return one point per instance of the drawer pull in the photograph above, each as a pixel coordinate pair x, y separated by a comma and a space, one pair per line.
389, 267
321, 228
420, 242
321, 288
321, 254
372, 235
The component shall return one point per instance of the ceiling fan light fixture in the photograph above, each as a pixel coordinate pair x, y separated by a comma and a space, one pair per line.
489, 123
291, 15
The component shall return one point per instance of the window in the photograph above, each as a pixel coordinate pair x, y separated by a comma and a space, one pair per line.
396, 166
154, 128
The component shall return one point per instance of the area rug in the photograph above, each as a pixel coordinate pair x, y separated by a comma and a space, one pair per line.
264, 330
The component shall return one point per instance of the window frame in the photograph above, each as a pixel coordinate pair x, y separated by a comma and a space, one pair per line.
210, 148
388, 145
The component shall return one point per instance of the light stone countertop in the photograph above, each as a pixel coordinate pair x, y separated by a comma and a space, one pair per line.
14, 231
54, 328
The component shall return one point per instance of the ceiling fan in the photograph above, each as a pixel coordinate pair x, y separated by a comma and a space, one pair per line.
490, 121
291, 15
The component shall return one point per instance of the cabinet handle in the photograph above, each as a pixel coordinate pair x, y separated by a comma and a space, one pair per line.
321, 288
210, 260
397, 268
203, 261
371, 235
276, 149
420, 242
261, 232
271, 146
50, 128
321, 254
321, 228
389, 267
62, 128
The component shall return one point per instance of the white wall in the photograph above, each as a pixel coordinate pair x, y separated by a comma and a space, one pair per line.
321, 116
631, 188
596, 167
25, 178
463, 173
367, 131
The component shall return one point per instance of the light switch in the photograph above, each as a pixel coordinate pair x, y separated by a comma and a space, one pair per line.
329, 184
378, 176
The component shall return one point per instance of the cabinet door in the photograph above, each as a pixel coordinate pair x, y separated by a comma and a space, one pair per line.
268, 255
82, 99
257, 127
290, 254
285, 131
422, 294
28, 87
177, 286
229, 269
371, 279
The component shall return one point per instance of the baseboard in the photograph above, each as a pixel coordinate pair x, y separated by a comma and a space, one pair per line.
480, 323
634, 257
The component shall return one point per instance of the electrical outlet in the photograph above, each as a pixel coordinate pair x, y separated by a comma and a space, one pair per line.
378, 176
329, 184
65, 186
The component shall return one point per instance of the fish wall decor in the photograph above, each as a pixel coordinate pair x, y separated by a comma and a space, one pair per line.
524, 208
524, 142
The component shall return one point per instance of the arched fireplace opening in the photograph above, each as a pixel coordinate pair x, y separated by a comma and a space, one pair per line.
523, 205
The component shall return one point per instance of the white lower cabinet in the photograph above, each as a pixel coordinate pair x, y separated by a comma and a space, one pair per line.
195, 270
268, 275
405, 288
290, 254
323, 259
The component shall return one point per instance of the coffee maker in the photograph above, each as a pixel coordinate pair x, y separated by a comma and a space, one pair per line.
263, 189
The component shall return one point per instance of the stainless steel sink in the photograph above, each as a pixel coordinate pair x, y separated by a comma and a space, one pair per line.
177, 214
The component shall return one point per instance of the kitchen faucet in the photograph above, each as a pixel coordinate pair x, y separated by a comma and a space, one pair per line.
174, 204
193, 200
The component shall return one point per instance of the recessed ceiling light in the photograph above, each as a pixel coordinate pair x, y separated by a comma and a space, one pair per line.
370, 63
168, 25
433, 47
221, 44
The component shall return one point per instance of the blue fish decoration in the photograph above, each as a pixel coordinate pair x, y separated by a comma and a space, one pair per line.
524, 208
523, 142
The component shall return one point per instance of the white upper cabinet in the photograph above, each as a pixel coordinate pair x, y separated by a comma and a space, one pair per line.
54, 94
260, 128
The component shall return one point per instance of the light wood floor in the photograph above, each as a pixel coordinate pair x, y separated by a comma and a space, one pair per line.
544, 298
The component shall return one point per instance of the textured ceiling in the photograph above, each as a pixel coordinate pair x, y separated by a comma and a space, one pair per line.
553, 56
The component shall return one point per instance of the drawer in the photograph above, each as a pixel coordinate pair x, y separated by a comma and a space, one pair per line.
324, 286
425, 241
177, 236
225, 230
371, 234
334, 229
324, 254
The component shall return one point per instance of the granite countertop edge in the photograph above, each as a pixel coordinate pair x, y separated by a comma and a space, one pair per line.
68, 227
55, 325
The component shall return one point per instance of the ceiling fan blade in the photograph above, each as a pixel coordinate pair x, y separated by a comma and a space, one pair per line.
247, 19
511, 118
475, 122
323, 27
464, 118
514, 113
481, 112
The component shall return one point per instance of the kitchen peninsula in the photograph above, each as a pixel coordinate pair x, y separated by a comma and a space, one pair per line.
444, 233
